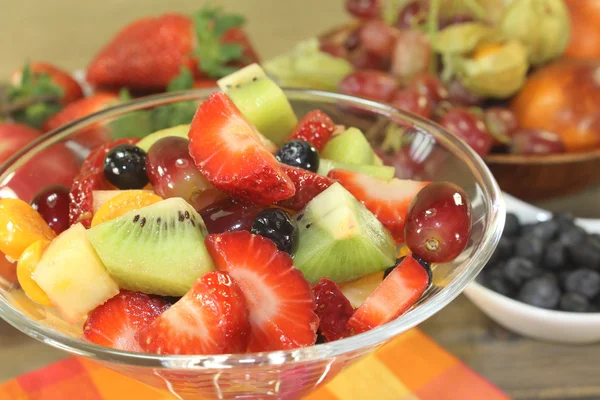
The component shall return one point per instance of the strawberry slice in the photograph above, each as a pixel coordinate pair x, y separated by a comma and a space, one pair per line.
394, 295
388, 200
228, 151
212, 318
307, 184
280, 300
316, 128
333, 309
116, 322
90, 178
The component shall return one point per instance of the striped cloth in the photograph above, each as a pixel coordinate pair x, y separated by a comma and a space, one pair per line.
411, 367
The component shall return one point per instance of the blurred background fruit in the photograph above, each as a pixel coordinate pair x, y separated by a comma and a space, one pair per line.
585, 35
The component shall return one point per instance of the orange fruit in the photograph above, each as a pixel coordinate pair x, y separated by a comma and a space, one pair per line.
123, 203
486, 50
20, 226
25, 268
404, 251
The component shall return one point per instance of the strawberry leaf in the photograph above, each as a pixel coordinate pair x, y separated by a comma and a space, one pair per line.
183, 81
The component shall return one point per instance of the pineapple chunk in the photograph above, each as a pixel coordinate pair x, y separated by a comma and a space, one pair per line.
72, 275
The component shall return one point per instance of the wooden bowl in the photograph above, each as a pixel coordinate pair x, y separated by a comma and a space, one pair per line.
534, 178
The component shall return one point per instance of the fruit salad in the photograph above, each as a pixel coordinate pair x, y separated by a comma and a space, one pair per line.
246, 231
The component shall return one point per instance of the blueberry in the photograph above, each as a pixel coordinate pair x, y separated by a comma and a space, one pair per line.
390, 269
496, 281
542, 291
531, 248
555, 256
564, 219
587, 253
526, 229
512, 226
125, 167
574, 302
277, 225
504, 250
545, 230
299, 153
583, 281
572, 235
518, 270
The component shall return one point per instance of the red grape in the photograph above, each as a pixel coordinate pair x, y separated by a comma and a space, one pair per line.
470, 128
413, 14
411, 54
333, 49
430, 86
370, 84
364, 8
363, 59
536, 142
412, 101
438, 222
378, 37
173, 173
227, 215
501, 123
52, 202
352, 41
459, 95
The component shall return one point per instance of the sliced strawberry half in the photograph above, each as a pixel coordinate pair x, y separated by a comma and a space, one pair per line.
388, 200
90, 178
116, 322
307, 184
333, 309
394, 295
212, 318
280, 300
316, 128
228, 151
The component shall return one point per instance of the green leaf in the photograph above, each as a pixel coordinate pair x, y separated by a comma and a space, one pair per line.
231, 51
183, 81
226, 22
124, 95
36, 114
26, 75
171, 115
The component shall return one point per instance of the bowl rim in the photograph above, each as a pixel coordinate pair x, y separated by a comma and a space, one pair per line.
551, 159
494, 216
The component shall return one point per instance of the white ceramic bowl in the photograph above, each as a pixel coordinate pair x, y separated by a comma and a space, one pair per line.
534, 322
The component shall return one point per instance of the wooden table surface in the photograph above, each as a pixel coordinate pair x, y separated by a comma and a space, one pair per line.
68, 33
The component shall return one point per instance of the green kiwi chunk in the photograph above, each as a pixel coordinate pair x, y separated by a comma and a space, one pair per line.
379, 171
148, 141
350, 147
340, 239
262, 102
158, 249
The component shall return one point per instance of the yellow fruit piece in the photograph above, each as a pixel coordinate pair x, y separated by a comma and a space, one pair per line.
25, 267
358, 290
123, 203
404, 251
486, 50
20, 226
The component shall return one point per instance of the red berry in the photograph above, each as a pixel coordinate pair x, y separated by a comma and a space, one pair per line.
363, 59
228, 151
315, 128
438, 222
470, 128
333, 309
430, 86
501, 123
212, 318
279, 298
307, 184
370, 84
412, 101
116, 323
378, 38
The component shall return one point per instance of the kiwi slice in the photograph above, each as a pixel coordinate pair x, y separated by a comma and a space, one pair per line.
349, 147
379, 171
340, 239
157, 249
148, 141
262, 102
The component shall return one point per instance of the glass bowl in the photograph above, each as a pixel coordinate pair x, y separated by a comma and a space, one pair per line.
430, 154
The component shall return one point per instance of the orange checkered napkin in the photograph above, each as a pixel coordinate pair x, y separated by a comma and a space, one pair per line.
411, 367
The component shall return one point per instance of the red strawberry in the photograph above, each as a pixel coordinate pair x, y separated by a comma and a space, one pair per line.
228, 151
333, 309
212, 318
80, 109
394, 295
308, 185
147, 53
116, 322
238, 36
90, 178
388, 200
279, 299
205, 83
316, 128
72, 89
